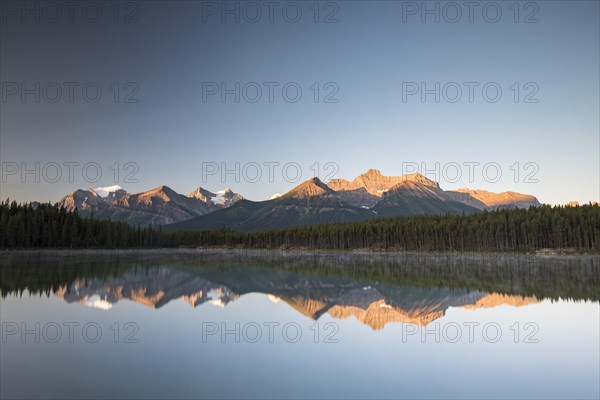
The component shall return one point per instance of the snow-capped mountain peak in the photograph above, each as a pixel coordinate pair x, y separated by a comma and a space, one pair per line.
225, 197
106, 190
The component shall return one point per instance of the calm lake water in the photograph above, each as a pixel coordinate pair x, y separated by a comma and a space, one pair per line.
187, 324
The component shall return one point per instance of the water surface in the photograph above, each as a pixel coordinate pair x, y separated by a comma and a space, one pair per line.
185, 324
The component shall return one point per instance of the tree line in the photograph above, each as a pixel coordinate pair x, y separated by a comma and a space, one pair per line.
48, 226
27, 225
502, 230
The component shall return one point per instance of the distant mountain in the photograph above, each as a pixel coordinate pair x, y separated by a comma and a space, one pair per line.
221, 199
366, 190
312, 188
369, 195
375, 183
359, 197
85, 201
502, 200
415, 197
158, 206
311, 202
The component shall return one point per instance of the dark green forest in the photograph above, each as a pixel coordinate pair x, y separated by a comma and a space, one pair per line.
578, 228
24, 226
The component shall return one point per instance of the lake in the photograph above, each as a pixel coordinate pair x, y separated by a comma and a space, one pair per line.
244, 324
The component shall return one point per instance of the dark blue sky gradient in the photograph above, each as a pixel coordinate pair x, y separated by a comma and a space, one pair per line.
368, 55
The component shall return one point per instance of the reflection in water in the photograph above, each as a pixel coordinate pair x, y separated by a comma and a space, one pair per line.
407, 288
153, 288
374, 304
385, 311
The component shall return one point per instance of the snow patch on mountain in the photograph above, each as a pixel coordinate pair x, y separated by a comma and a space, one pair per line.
106, 190
220, 197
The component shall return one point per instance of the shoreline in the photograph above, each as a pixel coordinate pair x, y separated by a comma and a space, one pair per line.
543, 253
547, 276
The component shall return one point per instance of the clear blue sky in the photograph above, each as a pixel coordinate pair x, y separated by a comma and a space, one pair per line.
176, 46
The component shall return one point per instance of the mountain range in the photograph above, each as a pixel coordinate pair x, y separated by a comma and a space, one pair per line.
158, 206
369, 195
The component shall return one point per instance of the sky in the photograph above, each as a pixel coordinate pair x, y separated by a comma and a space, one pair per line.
258, 97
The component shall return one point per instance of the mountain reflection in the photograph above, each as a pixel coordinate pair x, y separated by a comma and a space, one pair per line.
374, 305
153, 288
409, 289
